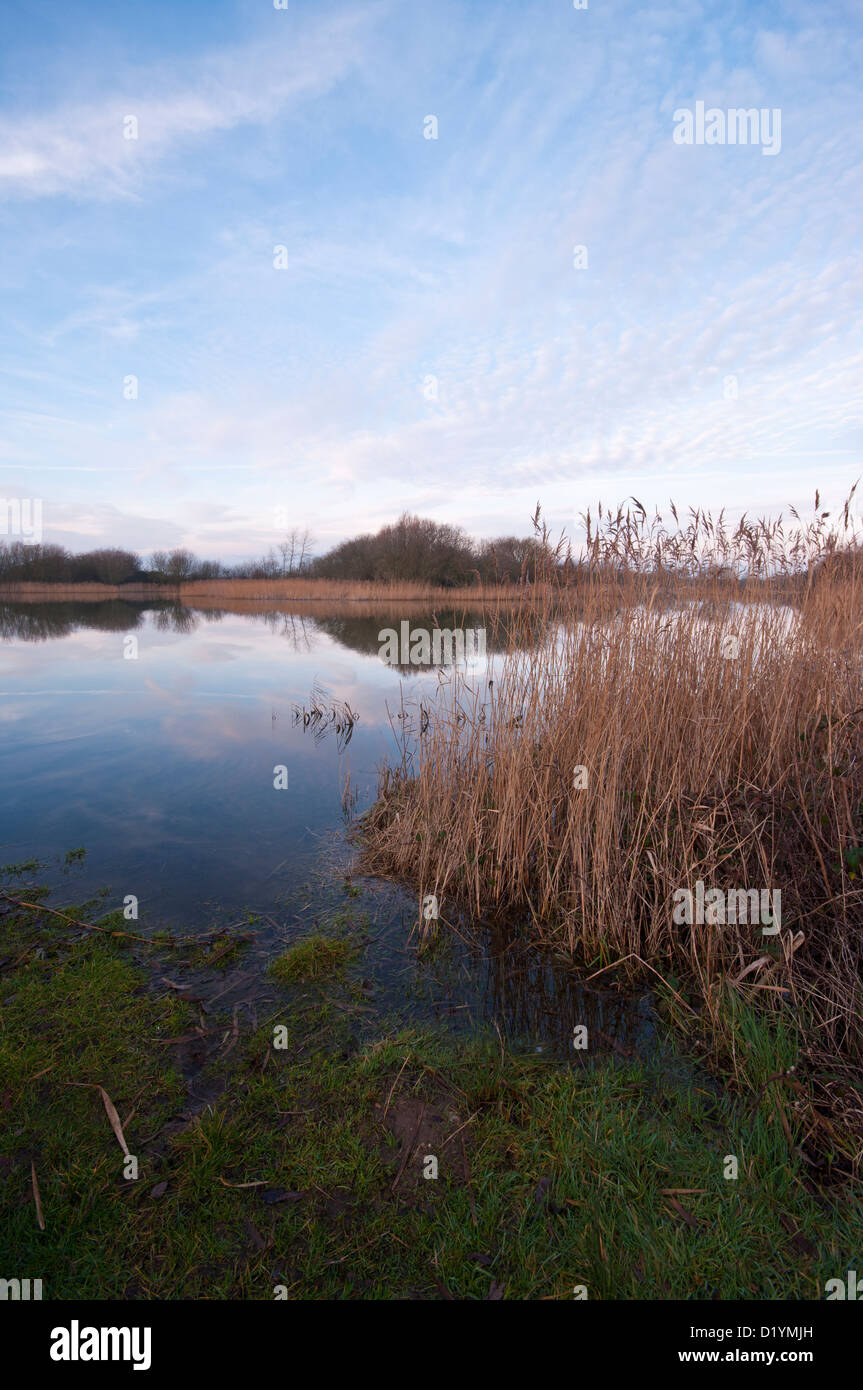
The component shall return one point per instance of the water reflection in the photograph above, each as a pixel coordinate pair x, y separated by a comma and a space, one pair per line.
353, 625
162, 767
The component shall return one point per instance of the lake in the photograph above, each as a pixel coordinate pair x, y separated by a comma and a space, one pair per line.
149, 734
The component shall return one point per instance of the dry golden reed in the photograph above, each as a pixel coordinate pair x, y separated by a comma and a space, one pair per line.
696, 716
256, 590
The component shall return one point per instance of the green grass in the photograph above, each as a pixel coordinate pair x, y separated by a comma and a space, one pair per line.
75, 1014
313, 958
569, 1175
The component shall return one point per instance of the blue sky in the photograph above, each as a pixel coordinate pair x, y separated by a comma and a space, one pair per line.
308, 388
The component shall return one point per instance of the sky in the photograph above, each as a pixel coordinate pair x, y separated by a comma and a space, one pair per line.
320, 264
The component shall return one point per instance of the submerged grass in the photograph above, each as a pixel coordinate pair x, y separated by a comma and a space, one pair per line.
313, 958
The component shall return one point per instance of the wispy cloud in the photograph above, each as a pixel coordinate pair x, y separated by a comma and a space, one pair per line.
711, 345
86, 150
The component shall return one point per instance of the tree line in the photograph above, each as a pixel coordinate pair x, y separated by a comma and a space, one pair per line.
410, 549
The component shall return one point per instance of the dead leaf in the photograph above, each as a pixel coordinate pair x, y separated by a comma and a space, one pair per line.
36, 1198
754, 965
687, 1215
42, 1073
114, 1119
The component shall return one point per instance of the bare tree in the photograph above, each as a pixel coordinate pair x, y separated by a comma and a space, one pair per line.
174, 565
286, 550
305, 541
295, 550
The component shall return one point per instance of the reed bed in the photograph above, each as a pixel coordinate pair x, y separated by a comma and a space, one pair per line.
32, 591
688, 726
295, 589
328, 590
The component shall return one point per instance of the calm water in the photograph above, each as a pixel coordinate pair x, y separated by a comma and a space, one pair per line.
162, 768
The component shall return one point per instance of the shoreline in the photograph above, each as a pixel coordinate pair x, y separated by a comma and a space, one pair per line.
294, 1159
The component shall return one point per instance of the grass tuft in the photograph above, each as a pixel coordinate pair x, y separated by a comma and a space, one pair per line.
311, 959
